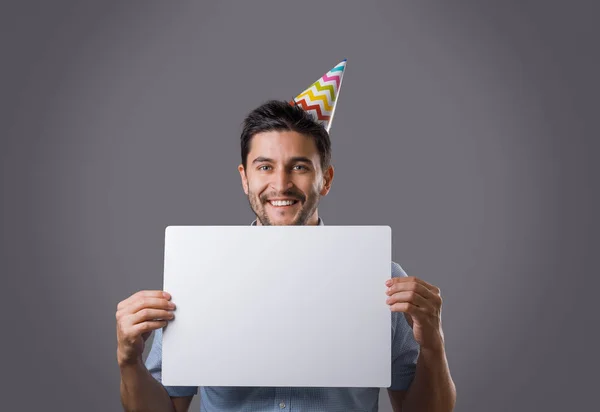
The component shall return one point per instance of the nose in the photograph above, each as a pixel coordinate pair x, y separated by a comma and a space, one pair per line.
281, 180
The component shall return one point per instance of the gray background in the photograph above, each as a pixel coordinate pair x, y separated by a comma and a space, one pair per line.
470, 127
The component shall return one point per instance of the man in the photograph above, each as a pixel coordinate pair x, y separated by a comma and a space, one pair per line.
285, 170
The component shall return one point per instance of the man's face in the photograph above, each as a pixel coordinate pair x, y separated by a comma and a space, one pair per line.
283, 178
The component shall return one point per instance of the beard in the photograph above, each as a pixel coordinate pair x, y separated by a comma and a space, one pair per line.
308, 206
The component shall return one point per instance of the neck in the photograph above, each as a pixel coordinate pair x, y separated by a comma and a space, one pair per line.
314, 220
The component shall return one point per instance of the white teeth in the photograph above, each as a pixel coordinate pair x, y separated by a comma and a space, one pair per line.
282, 202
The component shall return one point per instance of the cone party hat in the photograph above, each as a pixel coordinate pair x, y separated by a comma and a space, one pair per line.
321, 97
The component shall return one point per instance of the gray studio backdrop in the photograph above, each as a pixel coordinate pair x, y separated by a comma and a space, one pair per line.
468, 127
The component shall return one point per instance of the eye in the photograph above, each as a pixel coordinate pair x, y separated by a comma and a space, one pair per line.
263, 167
300, 167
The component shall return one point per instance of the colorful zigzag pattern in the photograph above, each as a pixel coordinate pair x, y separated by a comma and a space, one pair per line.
321, 97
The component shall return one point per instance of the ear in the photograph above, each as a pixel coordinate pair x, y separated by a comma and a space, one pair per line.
244, 178
327, 181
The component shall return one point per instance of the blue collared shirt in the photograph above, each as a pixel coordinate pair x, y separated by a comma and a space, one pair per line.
405, 351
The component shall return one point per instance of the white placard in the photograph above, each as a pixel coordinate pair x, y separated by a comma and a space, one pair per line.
278, 306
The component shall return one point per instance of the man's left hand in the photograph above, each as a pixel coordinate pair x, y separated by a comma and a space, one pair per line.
421, 304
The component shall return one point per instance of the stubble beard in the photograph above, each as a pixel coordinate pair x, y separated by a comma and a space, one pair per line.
257, 204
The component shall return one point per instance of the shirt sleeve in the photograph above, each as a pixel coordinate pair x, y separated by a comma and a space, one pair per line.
154, 365
405, 349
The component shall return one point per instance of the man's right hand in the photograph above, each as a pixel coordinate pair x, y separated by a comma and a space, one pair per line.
137, 316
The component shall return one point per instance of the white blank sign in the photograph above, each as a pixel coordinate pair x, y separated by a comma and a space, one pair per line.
278, 306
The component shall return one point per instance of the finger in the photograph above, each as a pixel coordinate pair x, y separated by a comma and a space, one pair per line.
151, 314
409, 279
406, 307
410, 297
149, 326
411, 286
144, 303
149, 303
431, 287
143, 294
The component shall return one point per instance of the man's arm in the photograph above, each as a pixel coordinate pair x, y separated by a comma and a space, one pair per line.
432, 389
396, 399
141, 392
182, 403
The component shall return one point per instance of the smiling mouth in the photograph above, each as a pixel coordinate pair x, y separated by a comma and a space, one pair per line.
282, 203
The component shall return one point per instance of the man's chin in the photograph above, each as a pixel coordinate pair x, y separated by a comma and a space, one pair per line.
282, 221
286, 219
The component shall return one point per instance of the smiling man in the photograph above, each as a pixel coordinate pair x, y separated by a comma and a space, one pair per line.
285, 170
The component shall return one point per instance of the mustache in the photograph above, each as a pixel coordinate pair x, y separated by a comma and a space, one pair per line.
289, 194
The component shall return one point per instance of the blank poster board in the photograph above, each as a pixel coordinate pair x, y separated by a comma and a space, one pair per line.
278, 306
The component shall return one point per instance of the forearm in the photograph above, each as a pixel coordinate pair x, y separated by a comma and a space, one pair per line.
141, 392
432, 388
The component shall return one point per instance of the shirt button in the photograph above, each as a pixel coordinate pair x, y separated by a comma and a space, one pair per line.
282, 405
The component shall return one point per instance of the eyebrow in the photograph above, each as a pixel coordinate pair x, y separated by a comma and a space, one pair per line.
295, 159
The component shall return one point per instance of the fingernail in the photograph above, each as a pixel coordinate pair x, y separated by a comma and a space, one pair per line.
388, 282
166, 295
171, 305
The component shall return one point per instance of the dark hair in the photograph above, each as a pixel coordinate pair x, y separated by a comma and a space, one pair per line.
281, 115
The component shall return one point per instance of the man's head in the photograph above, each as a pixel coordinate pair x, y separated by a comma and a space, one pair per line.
286, 164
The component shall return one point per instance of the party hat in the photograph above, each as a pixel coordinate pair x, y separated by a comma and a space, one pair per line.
321, 97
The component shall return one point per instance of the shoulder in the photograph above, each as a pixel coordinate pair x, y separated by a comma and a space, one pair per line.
398, 271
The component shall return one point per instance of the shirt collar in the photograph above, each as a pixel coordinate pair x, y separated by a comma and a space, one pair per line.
319, 223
